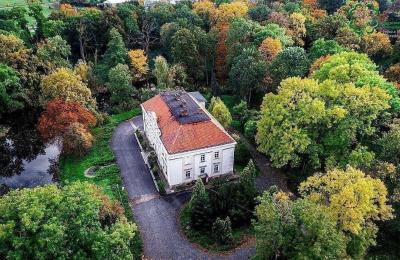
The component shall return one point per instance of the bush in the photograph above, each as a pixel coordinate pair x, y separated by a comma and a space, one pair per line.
250, 130
222, 231
161, 186
242, 154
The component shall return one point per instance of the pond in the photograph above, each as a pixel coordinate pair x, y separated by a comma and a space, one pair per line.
25, 161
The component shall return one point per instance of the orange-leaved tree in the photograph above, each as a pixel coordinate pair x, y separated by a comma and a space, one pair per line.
59, 115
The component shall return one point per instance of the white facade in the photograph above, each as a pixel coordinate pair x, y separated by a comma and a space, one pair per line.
180, 168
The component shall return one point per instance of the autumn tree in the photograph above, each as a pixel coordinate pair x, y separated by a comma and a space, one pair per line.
221, 52
11, 92
83, 70
76, 140
64, 83
54, 52
221, 112
247, 72
298, 27
50, 221
376, 44
269, 49
60, 115
227, 11
120, 86
331, 5
393, 73
297, 229
349, 39
138, 61
318, 125
338, 192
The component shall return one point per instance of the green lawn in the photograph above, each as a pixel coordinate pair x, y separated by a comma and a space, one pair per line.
46, 4
205, 239
72, 167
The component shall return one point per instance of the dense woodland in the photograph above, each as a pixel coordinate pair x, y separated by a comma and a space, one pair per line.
315, 87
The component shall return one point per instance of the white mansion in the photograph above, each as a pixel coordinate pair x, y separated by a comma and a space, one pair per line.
188, 141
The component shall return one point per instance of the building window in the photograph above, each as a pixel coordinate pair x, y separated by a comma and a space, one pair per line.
202, 170
187, 174
216, 155
202, 158
216, 168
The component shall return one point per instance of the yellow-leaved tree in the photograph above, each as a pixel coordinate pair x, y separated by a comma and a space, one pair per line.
352, 198
64, 83
138, 60
220, 112
269, 48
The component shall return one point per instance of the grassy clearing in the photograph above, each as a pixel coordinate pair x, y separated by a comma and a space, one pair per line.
107, 176
205, 238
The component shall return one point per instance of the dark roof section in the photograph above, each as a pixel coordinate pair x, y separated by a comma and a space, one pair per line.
198, 96
183, 107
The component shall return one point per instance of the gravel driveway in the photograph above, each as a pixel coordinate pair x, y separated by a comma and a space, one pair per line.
156, 216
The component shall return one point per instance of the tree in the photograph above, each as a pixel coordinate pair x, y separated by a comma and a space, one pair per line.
376, 44
11, 93
269, 49
290, 62
298, 27
199, 205
66, 84
54, 52
331, 5
357, 68
295, 230
138, 61
315, 124
247, 182
115, 54
221, 54
120, 86
221, 113
77, 140
50, 221
259, 13
389, 144
222, 231
162, 73
228, 11
247, 72
393, 73
338, 192
275, 31
322, 47
347, 38
185, 50
60, 115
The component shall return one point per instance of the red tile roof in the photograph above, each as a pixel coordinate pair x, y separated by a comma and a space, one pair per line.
178, 138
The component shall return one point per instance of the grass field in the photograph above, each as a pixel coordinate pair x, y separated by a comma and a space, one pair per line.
47, 5
72, 168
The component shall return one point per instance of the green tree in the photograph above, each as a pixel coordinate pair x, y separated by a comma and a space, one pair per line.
46, 223
162, 73
317, 124
272, 30
120, 86
357, 68
322, 47
115, 54
11, 93
54, 52
290, 62
331, 5
222, 231
389, 144
200, 210
221, 112
247, 181
295, 230
247, 73
185, 49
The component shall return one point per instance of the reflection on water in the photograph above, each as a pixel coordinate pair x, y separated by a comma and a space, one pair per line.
25, 161
35, 172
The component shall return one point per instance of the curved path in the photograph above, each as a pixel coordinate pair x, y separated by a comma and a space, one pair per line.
156, 216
